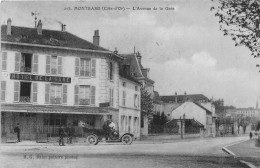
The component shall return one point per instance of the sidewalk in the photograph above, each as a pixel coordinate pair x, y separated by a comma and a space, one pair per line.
247, 151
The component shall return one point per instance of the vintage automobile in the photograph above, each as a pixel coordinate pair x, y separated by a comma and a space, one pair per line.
109, 133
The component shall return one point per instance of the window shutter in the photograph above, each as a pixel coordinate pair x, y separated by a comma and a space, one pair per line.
93, 68
77, 66
35, 91
64, 94
3, 90
16, 91
17, 62
48, 64
47, 93
4, 60
35, 63
108, 67
93, 94
76, 97
59, 65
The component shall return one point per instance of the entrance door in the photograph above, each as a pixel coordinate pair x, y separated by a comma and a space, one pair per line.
28, 126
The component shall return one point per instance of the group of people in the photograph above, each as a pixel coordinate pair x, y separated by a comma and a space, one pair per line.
68, 131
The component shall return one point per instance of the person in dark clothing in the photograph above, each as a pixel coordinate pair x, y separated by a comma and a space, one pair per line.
61, 134
250, 135
70, 132
17, 130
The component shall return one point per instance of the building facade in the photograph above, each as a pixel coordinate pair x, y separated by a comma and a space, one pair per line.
53, 77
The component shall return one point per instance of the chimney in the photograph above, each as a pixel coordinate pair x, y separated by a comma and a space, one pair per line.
96, 38
39, 28
9, 27
139, 57
176, 98
116, 52
63, 27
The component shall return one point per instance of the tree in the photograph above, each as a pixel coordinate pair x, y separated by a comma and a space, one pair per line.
240, 19
146, 103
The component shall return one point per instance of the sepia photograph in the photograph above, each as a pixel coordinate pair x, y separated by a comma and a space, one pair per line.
130, 84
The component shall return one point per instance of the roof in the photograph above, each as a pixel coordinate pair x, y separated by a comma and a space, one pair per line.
48, 38
178, 105
183, 98
130, 59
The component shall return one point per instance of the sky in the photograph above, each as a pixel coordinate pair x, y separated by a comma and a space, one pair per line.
183, 46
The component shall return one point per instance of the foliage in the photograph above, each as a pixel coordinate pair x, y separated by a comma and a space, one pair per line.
240, 19
219, 106
146, 103
159, 119
258, 126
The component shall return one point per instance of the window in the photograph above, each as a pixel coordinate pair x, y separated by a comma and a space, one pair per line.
55, 94
109, 117
136, 101
53, 65
25, 92
3, 90
124, 84
4, 61
111, 100
84, 95
26, 62
110, 71
85, 67
124, 98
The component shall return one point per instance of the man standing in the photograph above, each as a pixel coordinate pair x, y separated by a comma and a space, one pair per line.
70, 132
17, 130
61, 134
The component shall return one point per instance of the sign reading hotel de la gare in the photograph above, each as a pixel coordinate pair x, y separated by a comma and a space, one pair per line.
42, 78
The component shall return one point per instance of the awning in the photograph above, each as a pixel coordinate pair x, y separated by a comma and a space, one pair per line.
58, 109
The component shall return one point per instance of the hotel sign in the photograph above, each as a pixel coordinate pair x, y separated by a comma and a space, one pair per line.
29, 77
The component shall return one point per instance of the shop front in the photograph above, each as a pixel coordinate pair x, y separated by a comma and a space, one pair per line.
41, 122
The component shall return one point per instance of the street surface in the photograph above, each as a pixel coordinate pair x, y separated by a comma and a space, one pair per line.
178, 154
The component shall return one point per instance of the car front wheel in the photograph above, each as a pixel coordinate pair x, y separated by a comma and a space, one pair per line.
127, 139
92, 140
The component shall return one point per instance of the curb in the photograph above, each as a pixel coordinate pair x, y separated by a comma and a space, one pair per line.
250, 165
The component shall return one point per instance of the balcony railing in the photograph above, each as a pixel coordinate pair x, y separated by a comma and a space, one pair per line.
26, 69
25, 99
56, 100
84, 101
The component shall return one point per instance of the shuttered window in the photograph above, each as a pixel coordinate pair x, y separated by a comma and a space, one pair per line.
111, 97
35, 92
76, 95
93, 68
93, 94
4, 61
77, 66
17, 62
16, 91
48, 64
85, 67
59, 65
47, 93
3, 90
124, 98
64, 93
35, 63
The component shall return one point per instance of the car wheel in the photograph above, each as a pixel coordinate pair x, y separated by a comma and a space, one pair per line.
127, 139
92, 140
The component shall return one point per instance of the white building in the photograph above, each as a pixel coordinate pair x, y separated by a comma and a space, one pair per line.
192, 110
53, 77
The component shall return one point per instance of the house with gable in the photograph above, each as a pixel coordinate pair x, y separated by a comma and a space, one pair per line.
193, 106
134, 62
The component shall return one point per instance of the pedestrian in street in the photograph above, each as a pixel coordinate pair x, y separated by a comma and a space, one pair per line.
17, 131
70, 133
250, 134
61, 135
